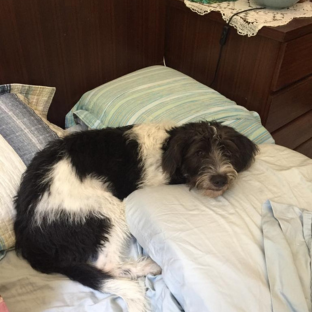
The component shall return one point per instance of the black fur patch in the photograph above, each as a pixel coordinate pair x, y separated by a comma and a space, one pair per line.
85, 274
106, 153
60, 243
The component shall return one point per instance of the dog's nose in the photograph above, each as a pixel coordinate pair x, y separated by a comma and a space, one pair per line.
218, 180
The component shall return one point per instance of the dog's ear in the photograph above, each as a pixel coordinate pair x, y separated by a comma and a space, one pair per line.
241, 148
246, 152
172, 157
174, 150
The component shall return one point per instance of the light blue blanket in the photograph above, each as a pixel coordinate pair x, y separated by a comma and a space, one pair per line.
287, 248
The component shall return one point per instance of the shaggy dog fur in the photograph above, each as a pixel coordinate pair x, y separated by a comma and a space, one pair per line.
70, 216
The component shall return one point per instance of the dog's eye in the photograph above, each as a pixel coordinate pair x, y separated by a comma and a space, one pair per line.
200, 153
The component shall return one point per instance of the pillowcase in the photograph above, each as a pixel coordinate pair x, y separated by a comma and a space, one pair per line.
156, 94
23, 129
38, 98
11, 170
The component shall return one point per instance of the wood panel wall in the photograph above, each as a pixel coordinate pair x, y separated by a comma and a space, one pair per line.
76, 45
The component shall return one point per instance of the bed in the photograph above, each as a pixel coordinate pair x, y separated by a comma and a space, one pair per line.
218, 254
248, 250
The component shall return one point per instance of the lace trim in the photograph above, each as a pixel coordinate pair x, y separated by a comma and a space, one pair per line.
249, 23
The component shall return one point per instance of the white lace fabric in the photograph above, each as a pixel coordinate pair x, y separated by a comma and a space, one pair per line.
249, 23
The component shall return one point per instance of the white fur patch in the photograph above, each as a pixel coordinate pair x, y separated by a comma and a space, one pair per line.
136, 269
222, 165
151, 138
78, 198
214, 129
131, 291
111, 255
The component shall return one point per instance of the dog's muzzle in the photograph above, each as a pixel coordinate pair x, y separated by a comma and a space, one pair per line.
219, 180
215, 184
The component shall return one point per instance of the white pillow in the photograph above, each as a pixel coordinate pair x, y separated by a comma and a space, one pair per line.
11, 170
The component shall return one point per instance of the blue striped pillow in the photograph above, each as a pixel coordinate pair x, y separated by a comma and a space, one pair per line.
22, 128
156, 94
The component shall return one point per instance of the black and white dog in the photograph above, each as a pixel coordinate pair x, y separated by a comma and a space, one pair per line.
70, 216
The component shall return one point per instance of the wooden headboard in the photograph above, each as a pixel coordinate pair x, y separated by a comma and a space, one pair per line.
77, 45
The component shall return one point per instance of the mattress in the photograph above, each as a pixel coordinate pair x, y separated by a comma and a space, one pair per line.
212, 251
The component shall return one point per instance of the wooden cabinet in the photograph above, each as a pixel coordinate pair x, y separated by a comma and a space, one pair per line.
270, 73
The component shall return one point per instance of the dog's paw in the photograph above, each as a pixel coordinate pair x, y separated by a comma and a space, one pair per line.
148, 266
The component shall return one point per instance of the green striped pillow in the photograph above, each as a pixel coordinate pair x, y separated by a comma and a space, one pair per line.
156, 94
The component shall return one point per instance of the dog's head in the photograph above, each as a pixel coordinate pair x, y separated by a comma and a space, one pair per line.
208, 155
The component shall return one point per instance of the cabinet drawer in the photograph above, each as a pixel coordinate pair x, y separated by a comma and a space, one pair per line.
295, 62
289, 104
296, 132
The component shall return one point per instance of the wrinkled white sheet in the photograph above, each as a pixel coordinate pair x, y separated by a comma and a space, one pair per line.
211, 250
26, 290
287, 240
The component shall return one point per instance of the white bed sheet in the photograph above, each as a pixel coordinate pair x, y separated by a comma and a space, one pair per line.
26, 290
287, 246
211, 250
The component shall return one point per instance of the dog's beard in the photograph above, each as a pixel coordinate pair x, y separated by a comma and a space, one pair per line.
203, 181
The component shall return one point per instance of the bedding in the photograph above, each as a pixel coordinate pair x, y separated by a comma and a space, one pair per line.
22, 128
159, 93
25, 289
213, 252
38, 98
23, 132
11, 170
287, 248
23, 123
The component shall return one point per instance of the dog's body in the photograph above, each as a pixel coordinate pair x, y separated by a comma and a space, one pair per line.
70, 216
